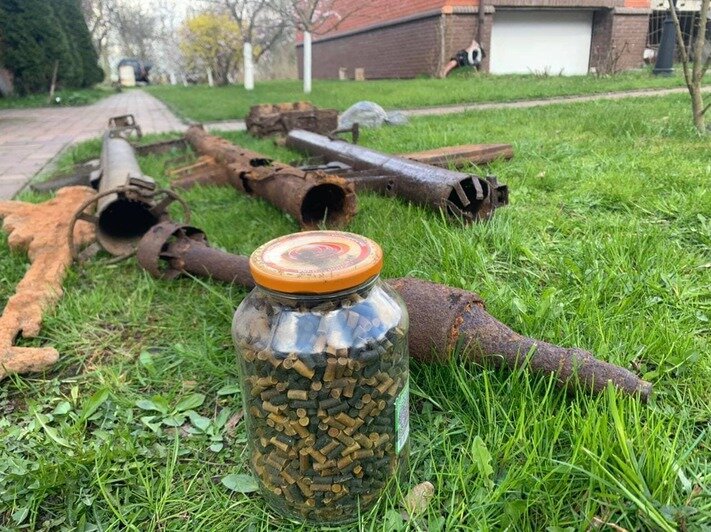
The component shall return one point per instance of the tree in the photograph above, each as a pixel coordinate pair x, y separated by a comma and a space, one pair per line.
317, 17
695, 63
212, 41
35, 40
261, 27
99, 16
136, 27
85, 56
36, 36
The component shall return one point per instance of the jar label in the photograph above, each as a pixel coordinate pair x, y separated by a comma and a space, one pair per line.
402, 417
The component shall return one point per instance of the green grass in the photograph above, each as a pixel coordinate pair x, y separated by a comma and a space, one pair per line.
68, 98
605, 246
203, 103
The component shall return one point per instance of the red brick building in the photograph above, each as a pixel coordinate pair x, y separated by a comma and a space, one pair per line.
409, 38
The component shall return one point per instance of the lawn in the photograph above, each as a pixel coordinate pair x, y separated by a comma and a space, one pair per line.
203, 103
605, 246
68, 98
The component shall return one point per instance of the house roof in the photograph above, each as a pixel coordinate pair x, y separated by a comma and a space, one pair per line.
358, 15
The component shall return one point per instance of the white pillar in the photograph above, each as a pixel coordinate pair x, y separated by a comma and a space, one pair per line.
248, 67
210, 80
173, 79
307, 62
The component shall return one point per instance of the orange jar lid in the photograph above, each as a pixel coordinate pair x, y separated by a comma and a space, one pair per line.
316, 262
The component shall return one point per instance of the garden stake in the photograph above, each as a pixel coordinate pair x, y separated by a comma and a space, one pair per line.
444, 320
309, 197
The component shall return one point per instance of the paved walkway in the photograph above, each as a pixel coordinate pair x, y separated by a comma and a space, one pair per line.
525, 104
30, 139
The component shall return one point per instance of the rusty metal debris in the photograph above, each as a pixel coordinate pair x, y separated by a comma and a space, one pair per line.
270, 120
444, 320
87, 174
462, 156
168, 250
311, 198
128, 203
161, 147
469, 197
205, 171
80, 175
125, 125
41, 230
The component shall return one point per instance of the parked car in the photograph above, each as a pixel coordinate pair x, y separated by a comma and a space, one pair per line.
140, 68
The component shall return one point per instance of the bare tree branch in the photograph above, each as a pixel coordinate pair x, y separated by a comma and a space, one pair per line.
320, 16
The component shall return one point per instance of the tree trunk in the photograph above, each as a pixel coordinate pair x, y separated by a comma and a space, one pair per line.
307, 62
697, 108
248, 67
694, 63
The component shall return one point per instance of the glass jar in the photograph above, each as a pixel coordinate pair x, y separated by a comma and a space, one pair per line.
322, 350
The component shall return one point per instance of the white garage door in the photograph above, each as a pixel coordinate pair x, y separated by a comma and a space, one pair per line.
524, 42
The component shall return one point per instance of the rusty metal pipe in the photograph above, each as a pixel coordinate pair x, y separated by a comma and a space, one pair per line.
458, 194
444, 320
309, 197
122, 218
169, 250
128, 202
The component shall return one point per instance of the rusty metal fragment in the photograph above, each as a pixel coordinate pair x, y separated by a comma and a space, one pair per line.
270, 120
443, 320
41, 231
465, 196
124, 126
462, 156
311, 198
162, 147
205, 171
168, 250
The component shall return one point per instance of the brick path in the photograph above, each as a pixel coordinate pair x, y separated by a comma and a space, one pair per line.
30, 139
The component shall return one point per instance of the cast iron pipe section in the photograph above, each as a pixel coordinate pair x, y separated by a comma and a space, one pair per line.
444, 320
309, 197
462, 195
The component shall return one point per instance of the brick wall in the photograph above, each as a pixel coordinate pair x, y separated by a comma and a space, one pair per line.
402, 50
600, 56
619, 38
629, 37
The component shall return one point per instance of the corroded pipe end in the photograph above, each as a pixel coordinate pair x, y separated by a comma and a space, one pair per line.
331, 201
153, 250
